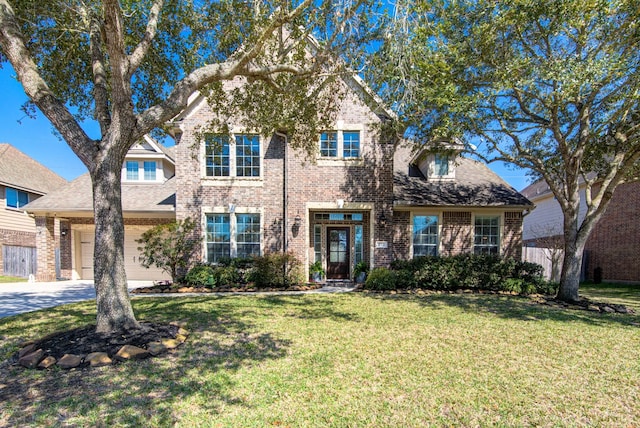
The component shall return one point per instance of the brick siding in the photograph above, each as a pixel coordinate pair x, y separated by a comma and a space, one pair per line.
457, 233
614, 244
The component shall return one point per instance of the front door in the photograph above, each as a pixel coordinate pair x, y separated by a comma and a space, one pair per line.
338, 253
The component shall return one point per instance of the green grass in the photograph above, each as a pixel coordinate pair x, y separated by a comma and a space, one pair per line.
622, 294
12, 279
347, 360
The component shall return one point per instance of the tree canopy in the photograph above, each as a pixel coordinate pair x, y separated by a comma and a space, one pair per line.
131, 65
548, 85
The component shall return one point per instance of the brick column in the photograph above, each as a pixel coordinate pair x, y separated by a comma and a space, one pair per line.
512, 240
46, 245
457, 233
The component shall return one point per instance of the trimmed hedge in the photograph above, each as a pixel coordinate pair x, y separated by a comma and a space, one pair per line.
464, 271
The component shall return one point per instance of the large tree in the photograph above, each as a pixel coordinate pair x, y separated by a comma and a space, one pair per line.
548, 85
131, 65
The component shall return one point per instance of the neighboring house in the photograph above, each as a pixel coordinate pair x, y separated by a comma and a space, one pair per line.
361, 199
148, 199
613, 244
22, 180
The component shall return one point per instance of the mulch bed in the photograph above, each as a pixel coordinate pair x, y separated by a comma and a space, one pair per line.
240, 288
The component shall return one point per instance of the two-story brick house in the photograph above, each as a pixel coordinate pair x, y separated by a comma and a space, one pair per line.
361, 199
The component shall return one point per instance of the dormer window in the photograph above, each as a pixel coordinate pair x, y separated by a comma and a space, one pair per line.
141, 170
441, 163
16, 198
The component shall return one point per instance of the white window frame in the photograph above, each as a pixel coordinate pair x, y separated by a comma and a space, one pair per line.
232, 212
433, 168
438, 215
232, 178
340, 129
500, 217
18, 192
141, 174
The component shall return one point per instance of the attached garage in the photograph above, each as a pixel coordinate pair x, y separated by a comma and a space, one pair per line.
135, 271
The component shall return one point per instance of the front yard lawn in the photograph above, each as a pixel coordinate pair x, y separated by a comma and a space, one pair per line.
342, 360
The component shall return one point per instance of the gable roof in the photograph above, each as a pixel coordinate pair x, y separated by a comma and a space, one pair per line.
20, 171
76, 199
149, 146
475, 185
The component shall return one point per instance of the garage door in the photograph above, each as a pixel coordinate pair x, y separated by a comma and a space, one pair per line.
135, 271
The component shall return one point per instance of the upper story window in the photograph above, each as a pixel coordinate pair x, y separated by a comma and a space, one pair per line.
344, 143
220, 163
441, 163
150, 171
329, 144
134, 169
16, 198
425, 235
487, 235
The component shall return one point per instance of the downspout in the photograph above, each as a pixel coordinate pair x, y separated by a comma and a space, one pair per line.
285, 195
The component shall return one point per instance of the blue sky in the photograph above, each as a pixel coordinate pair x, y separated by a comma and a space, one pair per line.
35, 137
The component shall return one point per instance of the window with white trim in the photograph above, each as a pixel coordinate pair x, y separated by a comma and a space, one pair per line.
16, 198
425, 235
232, 235
132, 170
149, 171
441, 165
340, 145
220, 163
487, 235
140, 170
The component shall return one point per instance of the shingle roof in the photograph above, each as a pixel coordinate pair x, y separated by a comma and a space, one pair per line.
20, 171
77, 196
474, 185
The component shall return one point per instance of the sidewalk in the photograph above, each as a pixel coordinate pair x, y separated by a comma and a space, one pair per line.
20, 297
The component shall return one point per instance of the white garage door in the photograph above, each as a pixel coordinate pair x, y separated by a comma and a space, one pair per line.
135, 271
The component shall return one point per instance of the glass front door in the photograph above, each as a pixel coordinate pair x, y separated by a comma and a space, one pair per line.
338, 257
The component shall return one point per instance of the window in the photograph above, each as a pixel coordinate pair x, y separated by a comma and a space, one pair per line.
217, 156
487, 235
219, 161
232, 235
345, 142
248, 235
317, 243
359, 244
247, 156
132, 170
329, 144
425, 235
218, 237
351, 145
16, 198
149, 171
441, 165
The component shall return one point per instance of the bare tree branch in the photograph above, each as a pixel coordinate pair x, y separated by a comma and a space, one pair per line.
138, 54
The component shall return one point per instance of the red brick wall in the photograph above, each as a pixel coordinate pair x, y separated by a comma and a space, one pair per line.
614, 244
512, 239
368, 182
457, 233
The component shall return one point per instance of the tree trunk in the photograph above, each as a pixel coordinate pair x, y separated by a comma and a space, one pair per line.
571, 268
114, 310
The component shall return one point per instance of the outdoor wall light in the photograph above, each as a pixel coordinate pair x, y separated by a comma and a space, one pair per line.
297, 221
382, 219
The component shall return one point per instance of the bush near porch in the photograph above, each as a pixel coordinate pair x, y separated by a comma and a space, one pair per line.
465, 271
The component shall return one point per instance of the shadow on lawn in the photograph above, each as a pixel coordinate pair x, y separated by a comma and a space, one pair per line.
514, 307
156, 391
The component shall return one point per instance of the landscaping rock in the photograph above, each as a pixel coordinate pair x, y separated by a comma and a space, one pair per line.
593, 308
183, 331
47, 362
170, 343
31, 359
182, 324
156, 348
608, 309
27, 350
70, 361
181, 338
98, 359
130, 352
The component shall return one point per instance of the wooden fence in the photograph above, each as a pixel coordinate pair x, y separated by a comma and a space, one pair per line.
550, 259
19, 261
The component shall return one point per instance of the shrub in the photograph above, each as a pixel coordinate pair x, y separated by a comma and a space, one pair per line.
201, 274
276, 270
381, 279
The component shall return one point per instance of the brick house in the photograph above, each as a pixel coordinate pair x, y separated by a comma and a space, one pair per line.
613, 244
22, 180
360, 199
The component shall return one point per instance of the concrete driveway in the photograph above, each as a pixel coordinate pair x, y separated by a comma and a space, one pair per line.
20, 297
